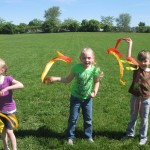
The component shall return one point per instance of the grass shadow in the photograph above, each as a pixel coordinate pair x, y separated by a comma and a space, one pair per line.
115, 135
41, 132
48, 133
44, 136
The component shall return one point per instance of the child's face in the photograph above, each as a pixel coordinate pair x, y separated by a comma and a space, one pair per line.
1, 70
144, 63
87, 58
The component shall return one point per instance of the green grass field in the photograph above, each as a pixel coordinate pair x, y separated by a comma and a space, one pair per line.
43, 110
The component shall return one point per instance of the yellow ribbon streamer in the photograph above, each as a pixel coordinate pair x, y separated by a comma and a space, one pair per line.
1, 126
120, 65
51, 62
12, 119
133, 65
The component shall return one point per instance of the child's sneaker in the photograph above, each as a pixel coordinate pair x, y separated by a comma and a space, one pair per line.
91, 140
143, 141
7, 148
129, 136
70, 142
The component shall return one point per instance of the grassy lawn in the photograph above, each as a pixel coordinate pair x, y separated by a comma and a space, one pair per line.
43, 110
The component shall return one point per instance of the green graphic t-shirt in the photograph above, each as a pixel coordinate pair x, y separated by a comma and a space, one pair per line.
84, 79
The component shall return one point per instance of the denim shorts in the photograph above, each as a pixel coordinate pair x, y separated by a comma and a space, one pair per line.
7, 124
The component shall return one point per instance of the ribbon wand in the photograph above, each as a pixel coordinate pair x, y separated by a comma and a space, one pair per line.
127, 59
51, 62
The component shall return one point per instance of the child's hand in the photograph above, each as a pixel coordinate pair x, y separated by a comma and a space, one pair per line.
46, 80
2, 92
49, 80
128, 40
101, 75
93, 94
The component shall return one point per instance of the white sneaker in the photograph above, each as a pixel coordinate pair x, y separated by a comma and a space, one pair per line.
6, 148
91, 140
143, 141
70, 142
129, 136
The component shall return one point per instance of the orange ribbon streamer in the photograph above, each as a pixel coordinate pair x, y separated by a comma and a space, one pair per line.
120, 65
12, 119
51, 62
114, 51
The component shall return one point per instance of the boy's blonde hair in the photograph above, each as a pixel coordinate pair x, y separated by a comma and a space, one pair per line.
3, 65
143, 55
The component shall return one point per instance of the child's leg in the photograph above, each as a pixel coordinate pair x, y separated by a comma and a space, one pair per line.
73, 117
4, 138
8, 132
144, 113
134, 105
12, 138
87, 116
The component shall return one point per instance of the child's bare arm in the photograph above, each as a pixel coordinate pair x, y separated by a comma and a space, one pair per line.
15, 85
67, 79
129, 47
96, 87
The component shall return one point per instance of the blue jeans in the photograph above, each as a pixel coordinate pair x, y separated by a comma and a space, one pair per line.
75, 105
141, 106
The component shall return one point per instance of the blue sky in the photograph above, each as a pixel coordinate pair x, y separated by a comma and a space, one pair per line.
23, 11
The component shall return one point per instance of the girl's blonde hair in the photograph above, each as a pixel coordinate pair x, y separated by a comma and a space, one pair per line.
143, 55
3, 65
92, 52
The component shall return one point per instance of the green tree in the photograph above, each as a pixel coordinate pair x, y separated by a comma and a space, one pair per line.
141, 27
84, 25
2, 21
8, 28
123, 21
70, 25
141, 24
52, 22
94, 25
22, 28
52, 13
35, 22
90, 26
107, 23
108, 20
50, 27
35, 25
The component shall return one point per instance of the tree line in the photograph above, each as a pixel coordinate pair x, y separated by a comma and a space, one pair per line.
52, 24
